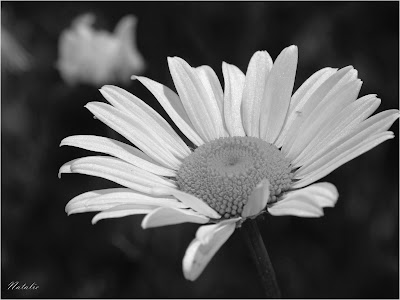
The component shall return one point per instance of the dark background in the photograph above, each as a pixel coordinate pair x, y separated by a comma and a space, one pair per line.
351, 252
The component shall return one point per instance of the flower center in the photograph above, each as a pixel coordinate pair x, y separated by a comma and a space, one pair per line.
225, 171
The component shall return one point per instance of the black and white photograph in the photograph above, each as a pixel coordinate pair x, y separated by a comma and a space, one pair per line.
200, 149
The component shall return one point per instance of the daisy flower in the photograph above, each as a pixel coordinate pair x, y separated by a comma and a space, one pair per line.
256, 148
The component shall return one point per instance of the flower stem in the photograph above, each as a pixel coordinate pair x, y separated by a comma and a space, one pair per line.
266, 272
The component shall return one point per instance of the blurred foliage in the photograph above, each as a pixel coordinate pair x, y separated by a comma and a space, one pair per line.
351, 252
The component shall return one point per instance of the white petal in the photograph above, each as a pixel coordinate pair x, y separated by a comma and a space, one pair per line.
257, 200
214, 91
122, 211
118, 149
311, 100
339, 127
202, 111
209, 238
118, 171
108, 198
171, 103
138, 133
140, 111
306, 202
300, 97
164, 216
277, 95
326, 111
234, 84
189, 200
256, 78
332, 161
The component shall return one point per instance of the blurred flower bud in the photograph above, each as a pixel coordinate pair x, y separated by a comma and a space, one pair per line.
87, 55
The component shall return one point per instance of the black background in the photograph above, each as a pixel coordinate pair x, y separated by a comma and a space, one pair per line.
351, 252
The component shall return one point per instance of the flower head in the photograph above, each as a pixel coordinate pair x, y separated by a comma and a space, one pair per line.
97, 57
258, 148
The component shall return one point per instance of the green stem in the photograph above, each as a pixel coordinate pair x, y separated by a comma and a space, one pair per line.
259, 253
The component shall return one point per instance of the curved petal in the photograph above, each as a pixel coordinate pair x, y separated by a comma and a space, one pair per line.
137, 132
234, 83
257, 200
209, 238
118, 149
278, 92
189, 200
254, 88
142, 112
202, 111
108, 198
306, 202
122, 211
118, 171
299, 99
164, 216
171, 103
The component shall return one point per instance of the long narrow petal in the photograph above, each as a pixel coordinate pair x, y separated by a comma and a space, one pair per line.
209, 238
310, 101
257, 200
300, 97
339, 127
214, 91
278, 92
202, 111
234, 84
306, 202
326, 111
189, 200
108, 198
140, 111
254, 88
171, 103
118, 149
123, 211
164, 216
138, 133
331, 162
118, 171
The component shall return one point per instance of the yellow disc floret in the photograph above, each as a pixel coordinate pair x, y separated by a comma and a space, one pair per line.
224, 172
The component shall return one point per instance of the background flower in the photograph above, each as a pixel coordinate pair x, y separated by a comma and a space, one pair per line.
351, 252
93, 56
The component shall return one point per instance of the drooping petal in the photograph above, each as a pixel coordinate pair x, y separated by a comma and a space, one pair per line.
140, 111
300, 97
253, 93
257, 200
138, 133
118, 149
306, 202
331, 162
122, 211
171, 103
322, 114
108, 198
202, 111
339, 127
278, 92
234, 84
312, 99
118, 171
209, 238
214, 90
164, 216
189, 200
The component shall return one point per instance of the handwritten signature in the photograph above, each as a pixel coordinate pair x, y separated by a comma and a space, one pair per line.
16, 285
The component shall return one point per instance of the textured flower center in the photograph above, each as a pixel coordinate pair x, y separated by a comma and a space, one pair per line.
225, 171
